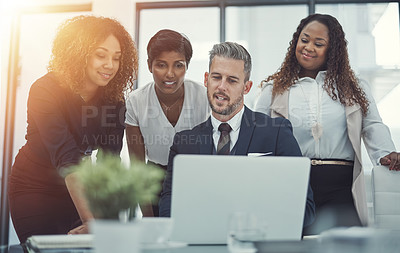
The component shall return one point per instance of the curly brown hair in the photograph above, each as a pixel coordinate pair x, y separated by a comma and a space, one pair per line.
338, 70
76, 40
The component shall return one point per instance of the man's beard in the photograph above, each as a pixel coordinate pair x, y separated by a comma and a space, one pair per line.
230, 107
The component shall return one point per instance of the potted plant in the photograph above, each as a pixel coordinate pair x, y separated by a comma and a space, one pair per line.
113, 191
113, 188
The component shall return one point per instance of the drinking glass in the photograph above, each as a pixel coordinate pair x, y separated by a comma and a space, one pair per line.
244, 228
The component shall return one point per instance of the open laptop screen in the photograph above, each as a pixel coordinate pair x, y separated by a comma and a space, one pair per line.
207, 189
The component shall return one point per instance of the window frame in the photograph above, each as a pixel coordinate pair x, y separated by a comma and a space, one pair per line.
223, 4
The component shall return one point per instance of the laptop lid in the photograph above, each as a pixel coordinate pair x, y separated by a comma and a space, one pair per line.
207, 189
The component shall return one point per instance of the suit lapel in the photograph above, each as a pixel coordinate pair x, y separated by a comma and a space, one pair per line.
246, 132
206, 146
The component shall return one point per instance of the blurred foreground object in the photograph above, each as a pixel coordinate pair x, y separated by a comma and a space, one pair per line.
386, 198
114, 190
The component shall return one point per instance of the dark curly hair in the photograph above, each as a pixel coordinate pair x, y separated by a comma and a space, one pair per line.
339, 72
168, 40
76, 40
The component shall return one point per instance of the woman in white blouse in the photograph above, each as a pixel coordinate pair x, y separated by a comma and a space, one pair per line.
330, 110
155, 112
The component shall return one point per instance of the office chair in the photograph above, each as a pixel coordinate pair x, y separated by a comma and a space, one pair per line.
386, 197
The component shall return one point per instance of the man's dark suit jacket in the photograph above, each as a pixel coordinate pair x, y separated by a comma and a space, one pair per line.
259, 133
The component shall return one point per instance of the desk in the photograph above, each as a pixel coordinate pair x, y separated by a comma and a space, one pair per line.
192, 249
386, 242
189, 249
276, 247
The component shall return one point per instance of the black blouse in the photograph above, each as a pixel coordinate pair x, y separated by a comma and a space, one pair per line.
62, 128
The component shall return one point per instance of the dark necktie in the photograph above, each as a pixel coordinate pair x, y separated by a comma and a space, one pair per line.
224, 139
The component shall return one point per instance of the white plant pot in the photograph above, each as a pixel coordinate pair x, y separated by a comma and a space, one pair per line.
115, 236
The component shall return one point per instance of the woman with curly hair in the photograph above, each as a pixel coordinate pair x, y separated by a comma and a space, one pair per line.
169, 104
77, 107
330, 110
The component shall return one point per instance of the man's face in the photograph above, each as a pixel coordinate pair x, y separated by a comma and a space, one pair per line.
226, 87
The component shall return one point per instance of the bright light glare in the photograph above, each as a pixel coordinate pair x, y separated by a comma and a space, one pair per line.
11, 6
387, 38
388, 108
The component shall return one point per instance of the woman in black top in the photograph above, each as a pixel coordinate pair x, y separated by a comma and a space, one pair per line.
78, 106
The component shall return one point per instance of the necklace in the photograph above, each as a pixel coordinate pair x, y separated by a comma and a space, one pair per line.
166, 107
316, 129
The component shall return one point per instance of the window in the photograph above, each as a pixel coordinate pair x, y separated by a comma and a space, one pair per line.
266, 36
200, 25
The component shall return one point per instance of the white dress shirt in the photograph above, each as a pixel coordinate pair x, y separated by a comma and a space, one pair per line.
234, 122
309, 104
144, 110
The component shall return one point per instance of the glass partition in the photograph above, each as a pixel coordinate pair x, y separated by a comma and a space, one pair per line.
265, 34
372, 32
200, 25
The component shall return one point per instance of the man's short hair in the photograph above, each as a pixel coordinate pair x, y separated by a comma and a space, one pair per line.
234, 51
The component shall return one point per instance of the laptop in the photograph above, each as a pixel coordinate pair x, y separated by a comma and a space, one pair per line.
207, 189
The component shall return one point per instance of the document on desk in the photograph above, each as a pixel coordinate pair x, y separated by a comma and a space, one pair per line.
259, 154
39, 243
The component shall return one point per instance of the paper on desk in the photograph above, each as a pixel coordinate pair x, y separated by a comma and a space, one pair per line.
60, 241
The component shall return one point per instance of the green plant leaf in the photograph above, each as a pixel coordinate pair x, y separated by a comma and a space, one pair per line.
110, 186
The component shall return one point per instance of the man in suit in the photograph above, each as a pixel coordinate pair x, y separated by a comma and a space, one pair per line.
247, 132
